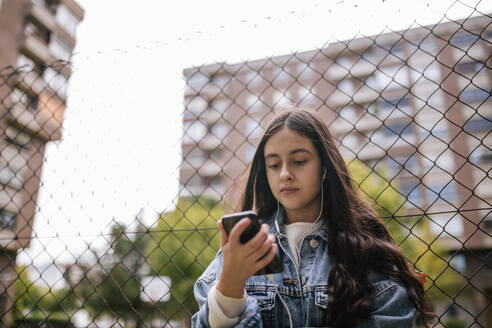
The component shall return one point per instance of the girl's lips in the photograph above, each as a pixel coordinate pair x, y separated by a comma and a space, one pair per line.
288, 191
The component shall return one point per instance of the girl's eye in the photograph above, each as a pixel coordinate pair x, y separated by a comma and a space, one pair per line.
300, 162
273, 166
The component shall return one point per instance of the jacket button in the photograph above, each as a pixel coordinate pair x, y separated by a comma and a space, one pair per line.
313, 243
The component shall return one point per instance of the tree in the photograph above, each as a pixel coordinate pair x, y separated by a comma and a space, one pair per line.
111, 287
411, 233
36, 305
182, 245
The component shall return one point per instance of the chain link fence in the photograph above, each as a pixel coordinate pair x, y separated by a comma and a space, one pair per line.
411, 111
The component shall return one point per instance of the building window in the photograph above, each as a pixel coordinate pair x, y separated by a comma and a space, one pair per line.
385, 107
10, 177
399, 130
25, 62
403, 165
411, 191
217, 155
487, 221
280, 74
2, 296
452, 224
344, 61
390, 105
250, 153
370, 81
469, 67
396, 48
253, 129
7, 219
349, 113
481, 155
197, 81
346, 86
196, 131
196, 105
464, 39
221, 80
253, 103
195, 158
251, 78
27, 100
305, 72
429, 73
280, 100
221, 105
442, 192
488, 35
28, 64
391, 77
17, 137
220, 129
60, 49
37, 30
51, 5
67, 19
350, 141
57, 82
428, 45
458, 262
479, 125
474, 95
306, 96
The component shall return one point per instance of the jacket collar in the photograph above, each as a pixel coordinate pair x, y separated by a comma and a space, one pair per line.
277, 221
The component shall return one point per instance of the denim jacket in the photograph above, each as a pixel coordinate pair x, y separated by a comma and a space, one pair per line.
304, 290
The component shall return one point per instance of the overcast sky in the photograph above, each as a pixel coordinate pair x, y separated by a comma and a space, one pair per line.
121, 143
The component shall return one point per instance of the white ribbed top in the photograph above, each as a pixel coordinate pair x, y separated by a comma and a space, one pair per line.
295, 234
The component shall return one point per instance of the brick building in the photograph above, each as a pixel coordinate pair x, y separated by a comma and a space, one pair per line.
37, 37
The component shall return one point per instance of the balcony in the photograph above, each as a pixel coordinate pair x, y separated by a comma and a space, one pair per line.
41, 14
209, 169
209, 142
38, 49
45, 123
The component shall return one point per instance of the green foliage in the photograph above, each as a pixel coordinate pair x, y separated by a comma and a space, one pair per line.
374, 186
455, 323
114, 288
411, 233
35, 304
38, 319
182, 245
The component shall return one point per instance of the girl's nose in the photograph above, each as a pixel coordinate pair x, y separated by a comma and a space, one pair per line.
285, 174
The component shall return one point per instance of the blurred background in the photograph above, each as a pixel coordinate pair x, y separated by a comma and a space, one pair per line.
122, 127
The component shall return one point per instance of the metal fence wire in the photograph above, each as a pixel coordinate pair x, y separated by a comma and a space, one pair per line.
411, 112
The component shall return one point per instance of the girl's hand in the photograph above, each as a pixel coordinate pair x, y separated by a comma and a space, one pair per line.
241, 261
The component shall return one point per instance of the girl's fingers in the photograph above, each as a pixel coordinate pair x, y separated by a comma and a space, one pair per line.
267, 259
223, 234
238, 229
264, 248
258, 239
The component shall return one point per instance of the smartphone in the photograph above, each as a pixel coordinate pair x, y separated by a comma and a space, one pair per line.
230, 220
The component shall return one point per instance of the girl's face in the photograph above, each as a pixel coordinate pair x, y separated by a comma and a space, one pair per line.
293, 169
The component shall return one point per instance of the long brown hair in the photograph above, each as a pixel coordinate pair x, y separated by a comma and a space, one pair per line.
358, 240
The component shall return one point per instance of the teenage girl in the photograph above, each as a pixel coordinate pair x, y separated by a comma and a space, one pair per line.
341, 267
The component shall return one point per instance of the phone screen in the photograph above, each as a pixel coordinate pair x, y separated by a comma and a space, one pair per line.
230, 220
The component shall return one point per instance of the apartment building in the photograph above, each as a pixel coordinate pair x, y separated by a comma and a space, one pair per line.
415, 102
37, 38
